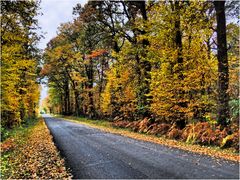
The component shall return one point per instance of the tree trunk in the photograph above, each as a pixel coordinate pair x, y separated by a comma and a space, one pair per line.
223, 75
62, 105
66, 98
144, 66
178, 39
181, 121
91, 110
76, 96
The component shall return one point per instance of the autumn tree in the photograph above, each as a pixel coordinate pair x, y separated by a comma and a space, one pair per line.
19, 87
119, 21
56, 67
80, 64
135, 59
233, 57
182, 82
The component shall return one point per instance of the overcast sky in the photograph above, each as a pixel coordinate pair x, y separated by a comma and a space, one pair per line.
54, 12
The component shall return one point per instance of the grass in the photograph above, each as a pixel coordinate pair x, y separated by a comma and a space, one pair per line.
18, 130
105, 125
98, 122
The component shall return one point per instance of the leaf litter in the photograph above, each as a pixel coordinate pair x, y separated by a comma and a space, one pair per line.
34, 156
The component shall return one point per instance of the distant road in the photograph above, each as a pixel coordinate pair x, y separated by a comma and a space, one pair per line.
91, 153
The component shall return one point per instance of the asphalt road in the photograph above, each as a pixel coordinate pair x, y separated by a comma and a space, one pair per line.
94, 154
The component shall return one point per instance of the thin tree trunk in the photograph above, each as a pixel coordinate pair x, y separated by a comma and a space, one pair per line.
91, 110
76, 94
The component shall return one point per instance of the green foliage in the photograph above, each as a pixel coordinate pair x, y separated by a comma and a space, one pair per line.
8, 143
234, 109
4, 133
5, 166
211, 120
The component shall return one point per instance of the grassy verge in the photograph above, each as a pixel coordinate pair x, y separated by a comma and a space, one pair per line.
20, 130
29, 153
104, 125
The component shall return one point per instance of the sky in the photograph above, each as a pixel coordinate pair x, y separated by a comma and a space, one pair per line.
54, 12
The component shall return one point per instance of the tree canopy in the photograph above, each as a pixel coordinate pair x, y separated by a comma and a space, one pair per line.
19, 61
157, 59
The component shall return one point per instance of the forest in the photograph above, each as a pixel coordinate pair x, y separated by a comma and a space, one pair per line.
20, 62
168, 68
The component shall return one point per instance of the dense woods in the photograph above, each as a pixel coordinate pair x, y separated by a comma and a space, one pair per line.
161, 67
168, 61
158, 63
163, 72
19, 62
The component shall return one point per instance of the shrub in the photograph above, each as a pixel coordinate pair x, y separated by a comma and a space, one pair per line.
4, 133
7, 145
186, 132
158, 129
234, 110
174, 133
153, 129
202, 133
143, 125
120, 124
231, 141
133, 125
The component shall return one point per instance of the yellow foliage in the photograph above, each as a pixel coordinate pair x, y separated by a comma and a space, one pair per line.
119, 96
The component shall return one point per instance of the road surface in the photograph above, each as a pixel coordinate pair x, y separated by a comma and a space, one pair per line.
94, 154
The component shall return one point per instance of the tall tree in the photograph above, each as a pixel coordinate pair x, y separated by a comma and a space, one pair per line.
20, 59
143, 66
223, 72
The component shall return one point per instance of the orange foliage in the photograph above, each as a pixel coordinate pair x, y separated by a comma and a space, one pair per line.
45, 70
174, 132
7, 145
121, 124
159, 129
201, 133
143, 125
97, 53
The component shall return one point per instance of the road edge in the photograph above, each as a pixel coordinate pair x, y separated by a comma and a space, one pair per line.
203, 150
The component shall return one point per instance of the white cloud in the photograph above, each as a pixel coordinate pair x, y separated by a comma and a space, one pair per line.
55, 12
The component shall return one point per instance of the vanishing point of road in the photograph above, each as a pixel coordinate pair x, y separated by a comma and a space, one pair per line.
93, 154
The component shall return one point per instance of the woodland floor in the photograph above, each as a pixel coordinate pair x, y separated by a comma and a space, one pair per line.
31, 154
